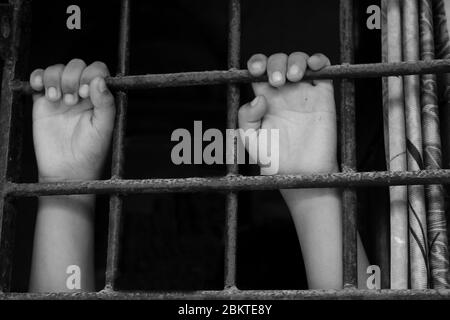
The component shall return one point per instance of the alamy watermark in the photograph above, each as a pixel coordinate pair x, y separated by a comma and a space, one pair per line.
262, 146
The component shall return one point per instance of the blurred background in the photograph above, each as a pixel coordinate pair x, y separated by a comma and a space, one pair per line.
176, 241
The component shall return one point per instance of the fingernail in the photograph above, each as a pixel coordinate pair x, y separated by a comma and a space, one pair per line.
70, 99
38, 81
52, 93
84, 91
277, 77
255, 101
294, 70
257, 66
101, 85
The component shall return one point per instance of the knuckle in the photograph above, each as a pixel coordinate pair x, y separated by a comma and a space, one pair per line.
277, 58
69, 80
35, 73
54, 68
321, 56
279, 55
258, 56
299, 56
53, 73
99, 65
77, 62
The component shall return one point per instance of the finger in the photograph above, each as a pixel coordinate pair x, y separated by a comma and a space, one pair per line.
297, 64
70, 81
103, 102
52, 82
251, 114
257, 65
276, 69
94, 70
318, 62
37, 83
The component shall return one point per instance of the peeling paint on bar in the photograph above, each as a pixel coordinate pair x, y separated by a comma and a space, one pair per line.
241, 295
118, 152
233, 104
353, 71
228, 183
10, 138
348, 147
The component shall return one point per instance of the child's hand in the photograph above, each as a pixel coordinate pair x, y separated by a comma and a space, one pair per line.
72, 120
304, 112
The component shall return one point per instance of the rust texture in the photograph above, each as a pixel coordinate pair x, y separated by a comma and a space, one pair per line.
118, 150
348, 294
10, 136
233, 102
229, 183
348, 148
346, 70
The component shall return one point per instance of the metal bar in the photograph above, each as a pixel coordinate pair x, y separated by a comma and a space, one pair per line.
350, 71
118, 154
382, 227
348, 148
229, 183
8, 109
233, 100
241, 295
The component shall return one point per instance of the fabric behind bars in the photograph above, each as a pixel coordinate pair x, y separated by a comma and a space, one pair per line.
442, 26
428, 246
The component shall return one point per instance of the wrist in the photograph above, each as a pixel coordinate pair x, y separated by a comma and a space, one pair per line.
68, 177
79, 203
295, 195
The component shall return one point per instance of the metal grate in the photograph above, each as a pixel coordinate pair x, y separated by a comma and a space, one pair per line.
13, 89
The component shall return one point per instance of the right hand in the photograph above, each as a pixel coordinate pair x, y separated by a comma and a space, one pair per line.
303, 112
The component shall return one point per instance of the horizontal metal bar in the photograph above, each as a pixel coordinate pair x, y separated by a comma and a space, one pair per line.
229, 183
241, 295
140, 82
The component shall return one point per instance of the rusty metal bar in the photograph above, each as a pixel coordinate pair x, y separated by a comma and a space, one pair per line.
241, 295
348, 148
383, 223
233, 100
229, 183
14, 67
186, 79
118, 153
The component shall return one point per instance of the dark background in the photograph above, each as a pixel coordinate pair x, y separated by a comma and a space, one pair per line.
176, 241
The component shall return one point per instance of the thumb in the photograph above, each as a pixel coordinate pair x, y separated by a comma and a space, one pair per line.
251, 114
103, 102
250, 120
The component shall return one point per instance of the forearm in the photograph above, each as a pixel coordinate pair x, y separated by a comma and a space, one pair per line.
317, 214
64, 236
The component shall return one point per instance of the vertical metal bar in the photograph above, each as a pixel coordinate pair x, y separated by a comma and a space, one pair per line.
348, 147
115, 204
233, 100
14, 68
383, 223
